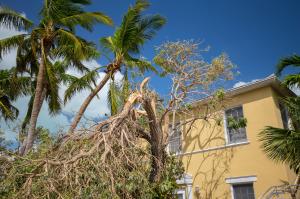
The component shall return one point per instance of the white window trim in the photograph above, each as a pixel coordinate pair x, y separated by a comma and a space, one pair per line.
186, 181
225, 128
240, 180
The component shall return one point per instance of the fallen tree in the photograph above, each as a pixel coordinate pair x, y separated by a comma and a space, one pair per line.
124, 156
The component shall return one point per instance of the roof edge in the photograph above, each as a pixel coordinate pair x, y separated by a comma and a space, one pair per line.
271, 81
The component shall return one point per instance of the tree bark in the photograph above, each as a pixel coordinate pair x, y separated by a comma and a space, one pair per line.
22, 147
297, 183
87, 101
156, 141
37, 104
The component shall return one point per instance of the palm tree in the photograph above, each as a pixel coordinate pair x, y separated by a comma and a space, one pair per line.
54, 105
127, 40
53, 38
283, 145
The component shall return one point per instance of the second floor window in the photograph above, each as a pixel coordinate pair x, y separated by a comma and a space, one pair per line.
235, 124
284, 116
175, 138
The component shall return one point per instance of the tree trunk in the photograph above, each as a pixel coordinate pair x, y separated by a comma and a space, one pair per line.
293, 196
156, 141
297, 183
37, 103
87, 101
29, 111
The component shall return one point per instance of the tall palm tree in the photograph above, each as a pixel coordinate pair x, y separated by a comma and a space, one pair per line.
134, 31
54, 105
54, 38
283, 145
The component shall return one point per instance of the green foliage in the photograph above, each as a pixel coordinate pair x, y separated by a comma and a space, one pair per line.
234, 123
114, 94
78, 84
13, 20
52, 39
219, 94
174, 170
292, 79
282, 145
133, 32
18, 86
3, 142
293, 60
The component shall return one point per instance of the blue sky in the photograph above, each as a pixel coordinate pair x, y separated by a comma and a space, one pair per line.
254, 33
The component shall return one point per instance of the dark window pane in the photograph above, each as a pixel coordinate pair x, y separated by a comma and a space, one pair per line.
243, 191
284, 116
180, 196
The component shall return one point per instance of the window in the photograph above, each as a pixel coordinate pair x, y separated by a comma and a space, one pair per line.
175, 138
243, 191
235, 135
180, 194
284, 116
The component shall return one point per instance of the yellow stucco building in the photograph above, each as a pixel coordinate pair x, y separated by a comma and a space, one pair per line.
229, 164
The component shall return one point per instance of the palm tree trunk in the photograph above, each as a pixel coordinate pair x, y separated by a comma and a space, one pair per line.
28, 115
87, 101
37, 104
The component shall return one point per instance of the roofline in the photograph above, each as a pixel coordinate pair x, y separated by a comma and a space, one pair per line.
271, 81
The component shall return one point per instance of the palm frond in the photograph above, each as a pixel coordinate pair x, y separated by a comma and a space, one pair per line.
73, 48
67, 38
52, 89
148, 26
86, 20
9, 43
282, 145
292, 80
13, 20
27, 58
125, 87
107, 43
18, 85
141, 64
79, 84
125, 35
28, 113
8, 111
293, 60
113, 97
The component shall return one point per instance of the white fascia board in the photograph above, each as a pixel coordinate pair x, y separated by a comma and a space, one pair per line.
241, 180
